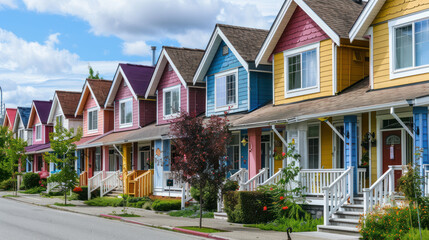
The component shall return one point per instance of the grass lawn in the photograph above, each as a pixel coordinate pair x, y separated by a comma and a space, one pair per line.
301, 225
64, 205
35, 190
104, 202
203, 229
190, 213
9, 195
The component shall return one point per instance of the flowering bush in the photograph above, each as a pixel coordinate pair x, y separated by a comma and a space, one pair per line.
77, 189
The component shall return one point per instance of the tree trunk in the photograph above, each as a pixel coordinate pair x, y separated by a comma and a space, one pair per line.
65, 197
201, 205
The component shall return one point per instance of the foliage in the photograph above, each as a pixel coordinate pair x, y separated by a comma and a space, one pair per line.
34, 190
166, 205
414, 234
229, 186
91, 74
392, 222
410, 184
64, 205
4, 171
8, 184
247, 207
203, 230
190, 212
200, 151
210, 194
30, 180
307, 224
62, 144
104, 202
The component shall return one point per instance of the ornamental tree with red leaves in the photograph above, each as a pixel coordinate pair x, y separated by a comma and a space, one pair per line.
200, 157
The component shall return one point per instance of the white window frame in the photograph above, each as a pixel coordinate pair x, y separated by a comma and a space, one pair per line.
87, 122
393, 25
139, 154
38, 125
294, 52
223, 74
122, 125
170, 89
62, 120
21, 133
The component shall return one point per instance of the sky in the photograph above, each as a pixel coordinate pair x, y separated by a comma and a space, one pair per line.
47, 45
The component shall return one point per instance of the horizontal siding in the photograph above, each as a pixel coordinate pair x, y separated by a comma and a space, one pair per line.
124, 92
397, 8
147, 112
382, 61
350, 71
108, 122
197, 100
261, 89
325, 76
326, 147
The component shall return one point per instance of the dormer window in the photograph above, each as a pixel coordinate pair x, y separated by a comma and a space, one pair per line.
171, 102
59, 120
302, 71
126, 112
38, 132
21, 133
226, 90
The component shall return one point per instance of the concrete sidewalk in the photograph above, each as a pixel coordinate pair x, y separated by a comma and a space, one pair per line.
151, 218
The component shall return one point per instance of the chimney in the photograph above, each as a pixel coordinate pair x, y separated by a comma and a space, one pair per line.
153, 54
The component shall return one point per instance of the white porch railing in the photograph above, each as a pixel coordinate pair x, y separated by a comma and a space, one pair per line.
381, 190
240, 176
94, 183
51, 185
274, 179
337, 193
314, 180
426, 179
177, 185
255, 181
110, 182
361, 180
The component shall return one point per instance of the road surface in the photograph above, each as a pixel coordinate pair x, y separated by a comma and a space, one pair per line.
20, 221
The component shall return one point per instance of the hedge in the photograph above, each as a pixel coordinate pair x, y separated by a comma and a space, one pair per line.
166, 205
247, 207
83, 195
8, 184
30, 180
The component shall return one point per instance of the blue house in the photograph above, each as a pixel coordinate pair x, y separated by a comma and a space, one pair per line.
233, 82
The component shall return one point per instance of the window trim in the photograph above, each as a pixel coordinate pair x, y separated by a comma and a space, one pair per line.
222, 74
298, 51
87, 121
402, 22
39, 125
23, 133
319, 136
170, 89
122, 125
62, 120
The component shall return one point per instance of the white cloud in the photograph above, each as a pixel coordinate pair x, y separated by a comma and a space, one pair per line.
8, 4
137, 48
52, 40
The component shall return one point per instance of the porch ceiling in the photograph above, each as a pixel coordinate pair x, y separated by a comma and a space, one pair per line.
356, 99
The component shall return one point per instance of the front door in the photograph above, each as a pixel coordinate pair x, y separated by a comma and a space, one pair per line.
339, 148
392, 152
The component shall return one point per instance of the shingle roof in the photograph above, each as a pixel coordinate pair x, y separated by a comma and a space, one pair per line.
43, 108
100, 88
69, 101
340, 15
186, 61
139, 76
247, 41
24, 113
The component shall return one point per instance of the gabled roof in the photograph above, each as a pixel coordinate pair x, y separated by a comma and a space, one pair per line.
41, 110
98, 89
243, 42
67, 101
366, 18
184, 62
137, 78
10, 117
334, 17
22, 113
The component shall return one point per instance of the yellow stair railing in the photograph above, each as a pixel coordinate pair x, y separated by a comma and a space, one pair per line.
143, 184
83, 179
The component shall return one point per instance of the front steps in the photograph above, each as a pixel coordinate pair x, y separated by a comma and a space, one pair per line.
115, 192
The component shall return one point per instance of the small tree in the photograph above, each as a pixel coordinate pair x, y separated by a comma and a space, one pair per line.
91, 74
14, 150
4, 172
62, 144
200, 151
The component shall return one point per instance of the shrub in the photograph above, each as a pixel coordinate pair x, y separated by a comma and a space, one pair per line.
415, 234
307, 224
83, 195
210, 194
229, 186
35, 190
8, 184
166, 205
30, 180
104, 202
247, 207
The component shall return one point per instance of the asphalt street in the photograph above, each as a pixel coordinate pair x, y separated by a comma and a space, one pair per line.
20, 221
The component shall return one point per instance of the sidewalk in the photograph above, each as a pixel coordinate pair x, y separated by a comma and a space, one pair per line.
151, 218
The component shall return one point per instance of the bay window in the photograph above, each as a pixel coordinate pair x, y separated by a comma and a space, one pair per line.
226, 90
126, 112
93, 120
171, 101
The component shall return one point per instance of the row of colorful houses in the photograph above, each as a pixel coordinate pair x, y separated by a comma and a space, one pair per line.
345, 81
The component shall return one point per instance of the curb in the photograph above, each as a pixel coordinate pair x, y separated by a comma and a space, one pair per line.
191, 232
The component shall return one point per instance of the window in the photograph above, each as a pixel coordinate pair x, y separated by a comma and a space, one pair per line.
93, 120
302, 70
39, 132
409, 45
171, 101
21, 134
39, 163
313, 147
59, 120
97, 159
126, 112
144, 158
226, 90
233, 151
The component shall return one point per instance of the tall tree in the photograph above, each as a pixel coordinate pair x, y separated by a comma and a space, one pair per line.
200, 151
62, 144
91, 73
14, 150
4, 172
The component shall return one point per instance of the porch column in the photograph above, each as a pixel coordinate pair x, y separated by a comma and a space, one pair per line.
350, 147
125, 163
420, 115
105, 157
254, 151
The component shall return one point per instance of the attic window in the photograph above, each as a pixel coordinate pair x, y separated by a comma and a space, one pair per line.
225, 50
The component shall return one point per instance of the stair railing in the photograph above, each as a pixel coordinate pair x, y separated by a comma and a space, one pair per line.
94, 183
381, 191
337, 193
314, 180
255, 181
362, 180
51, 185
240, 176
83, 179
144, 184
109, 183
274, 179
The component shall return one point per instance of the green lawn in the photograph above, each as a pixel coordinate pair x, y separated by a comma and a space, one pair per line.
64, 205
190, 213
203, 229
9, 195
301, 225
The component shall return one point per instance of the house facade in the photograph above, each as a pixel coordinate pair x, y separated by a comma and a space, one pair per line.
20, 130
9, 118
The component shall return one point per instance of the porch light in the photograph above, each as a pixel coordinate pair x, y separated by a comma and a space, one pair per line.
244, 141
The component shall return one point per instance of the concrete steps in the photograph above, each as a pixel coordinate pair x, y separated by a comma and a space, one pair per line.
352, 231
115, 193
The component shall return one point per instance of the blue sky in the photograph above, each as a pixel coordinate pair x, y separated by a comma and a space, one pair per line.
48, 44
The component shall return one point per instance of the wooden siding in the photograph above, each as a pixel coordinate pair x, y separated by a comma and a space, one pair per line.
147, 112
325, 76
326, 147
397, 8
261, 89
108, 122
124, 92
220, 64
301, 30
169, 79
197, 100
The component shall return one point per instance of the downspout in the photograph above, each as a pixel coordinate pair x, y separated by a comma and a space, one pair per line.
392, 112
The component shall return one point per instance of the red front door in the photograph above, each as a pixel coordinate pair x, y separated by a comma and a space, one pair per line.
392, 152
